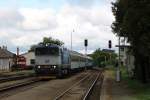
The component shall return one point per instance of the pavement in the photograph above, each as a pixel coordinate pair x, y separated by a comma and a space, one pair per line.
112, 90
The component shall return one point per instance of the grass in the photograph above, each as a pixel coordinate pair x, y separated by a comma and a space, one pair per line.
140, 91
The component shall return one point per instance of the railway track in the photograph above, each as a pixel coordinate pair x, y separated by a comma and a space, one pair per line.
17, 85
13, 78
85, 86
90, 90
61, 95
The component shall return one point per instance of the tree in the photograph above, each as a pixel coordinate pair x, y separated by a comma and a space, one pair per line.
50, 40
132, 21
47, 41
101, 58
32, 48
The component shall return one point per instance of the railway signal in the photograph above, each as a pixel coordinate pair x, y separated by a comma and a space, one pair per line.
109, 44
85, 42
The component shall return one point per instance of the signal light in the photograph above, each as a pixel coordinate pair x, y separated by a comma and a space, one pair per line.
109, 44
86, 42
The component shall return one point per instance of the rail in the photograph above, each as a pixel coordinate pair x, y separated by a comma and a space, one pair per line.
2, 89
91, 87
61, 95
13, 78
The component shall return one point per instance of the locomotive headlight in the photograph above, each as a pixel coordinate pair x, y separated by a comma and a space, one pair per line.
54, 66
39, 66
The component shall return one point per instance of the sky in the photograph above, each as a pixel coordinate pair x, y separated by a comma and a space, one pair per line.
25, 22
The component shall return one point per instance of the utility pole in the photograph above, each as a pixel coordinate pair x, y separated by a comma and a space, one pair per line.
110, 46
85, 44
71, 39
118, 76
71, 42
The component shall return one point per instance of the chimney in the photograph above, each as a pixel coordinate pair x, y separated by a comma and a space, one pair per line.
4, 47
17, 51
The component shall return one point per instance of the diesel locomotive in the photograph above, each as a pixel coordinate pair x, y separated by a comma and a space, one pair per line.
54, 60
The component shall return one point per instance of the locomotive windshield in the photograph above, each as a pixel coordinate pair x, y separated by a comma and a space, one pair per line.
47, 51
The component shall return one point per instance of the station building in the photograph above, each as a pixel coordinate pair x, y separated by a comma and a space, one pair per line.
6, 59
127, 58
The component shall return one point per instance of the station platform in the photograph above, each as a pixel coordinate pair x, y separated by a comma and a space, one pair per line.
112, 90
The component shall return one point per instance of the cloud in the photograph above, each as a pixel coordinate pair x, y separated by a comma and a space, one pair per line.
82, 3
38, 19
93, 24
30, 25
9, 18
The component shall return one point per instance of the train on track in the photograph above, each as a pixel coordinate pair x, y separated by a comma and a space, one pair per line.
54, 60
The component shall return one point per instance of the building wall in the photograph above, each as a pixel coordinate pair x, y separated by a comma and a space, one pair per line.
130, 64
29, 56
123, 54
6, 64
128, 59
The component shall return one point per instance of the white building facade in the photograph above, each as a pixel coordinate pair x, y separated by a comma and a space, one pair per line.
127, 59
30, 58
6, 60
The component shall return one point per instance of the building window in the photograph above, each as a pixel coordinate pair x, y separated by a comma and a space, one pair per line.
32, 61
122, 49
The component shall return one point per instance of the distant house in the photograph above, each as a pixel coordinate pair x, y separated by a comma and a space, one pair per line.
6, 59
108, 51
30, 58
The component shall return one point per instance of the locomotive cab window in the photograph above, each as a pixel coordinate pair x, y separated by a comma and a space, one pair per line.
47, 51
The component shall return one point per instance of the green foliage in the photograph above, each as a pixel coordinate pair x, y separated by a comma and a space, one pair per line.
50, 40
32, 48
133, 22
102, 58
47, 41
141, 91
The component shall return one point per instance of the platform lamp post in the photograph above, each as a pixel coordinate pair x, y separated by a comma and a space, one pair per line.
118, 72
71, 39
85, 44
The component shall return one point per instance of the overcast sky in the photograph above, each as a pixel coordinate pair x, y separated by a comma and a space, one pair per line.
25, 22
